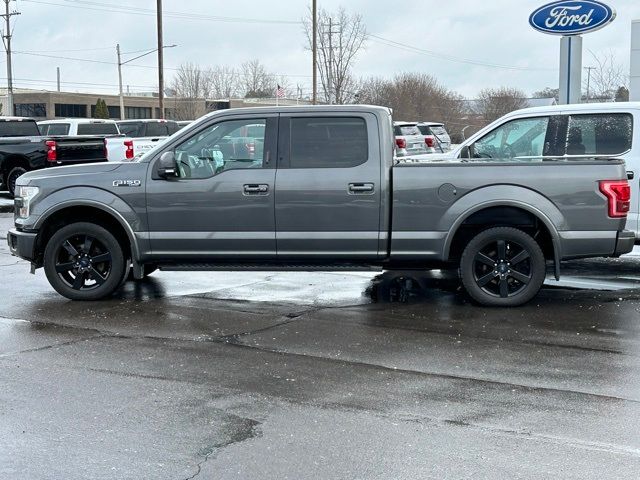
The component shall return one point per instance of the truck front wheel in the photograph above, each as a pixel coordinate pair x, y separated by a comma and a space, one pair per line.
83, 261
502, 267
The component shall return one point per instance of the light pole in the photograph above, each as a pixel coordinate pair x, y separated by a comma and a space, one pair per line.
120, 63
160, 61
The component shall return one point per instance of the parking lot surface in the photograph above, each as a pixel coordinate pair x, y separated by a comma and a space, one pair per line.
320, 375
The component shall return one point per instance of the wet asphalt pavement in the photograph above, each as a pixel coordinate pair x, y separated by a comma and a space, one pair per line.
308, 376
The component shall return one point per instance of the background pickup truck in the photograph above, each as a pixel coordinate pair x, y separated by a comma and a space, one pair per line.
147, 133
22, 149
119, 147
320, 193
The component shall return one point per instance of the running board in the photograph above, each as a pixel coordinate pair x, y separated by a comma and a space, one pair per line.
267, 267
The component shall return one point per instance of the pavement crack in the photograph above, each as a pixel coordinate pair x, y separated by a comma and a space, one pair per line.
53, 345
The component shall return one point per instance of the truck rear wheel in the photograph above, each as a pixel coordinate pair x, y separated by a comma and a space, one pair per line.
12, 176
83, 261
502, 267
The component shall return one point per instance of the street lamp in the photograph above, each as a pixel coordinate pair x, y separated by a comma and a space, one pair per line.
120, 63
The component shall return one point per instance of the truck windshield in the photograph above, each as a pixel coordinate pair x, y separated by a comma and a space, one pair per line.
19, 129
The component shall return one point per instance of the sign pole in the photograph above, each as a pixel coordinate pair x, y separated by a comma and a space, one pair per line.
570, 69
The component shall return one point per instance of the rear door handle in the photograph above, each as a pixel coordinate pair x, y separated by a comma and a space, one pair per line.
361, 188
256, 189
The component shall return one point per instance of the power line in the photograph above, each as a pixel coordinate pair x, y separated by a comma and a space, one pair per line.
105, 7
451, 58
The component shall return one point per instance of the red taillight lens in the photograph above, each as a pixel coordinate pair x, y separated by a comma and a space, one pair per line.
430, 141
401, 142
618, 195
128, 145
52, 151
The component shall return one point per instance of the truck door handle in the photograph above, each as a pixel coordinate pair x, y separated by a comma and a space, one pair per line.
256, 189
361, 188
630, 174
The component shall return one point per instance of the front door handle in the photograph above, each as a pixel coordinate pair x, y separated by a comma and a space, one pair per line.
357, 188
256, 189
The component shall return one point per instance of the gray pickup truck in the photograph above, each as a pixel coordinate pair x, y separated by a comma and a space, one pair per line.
315, 188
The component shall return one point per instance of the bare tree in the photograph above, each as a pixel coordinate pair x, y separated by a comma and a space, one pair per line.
494, 103
256, 81
415, 97
192, 85
225, 82
547, 92
605, 77
341, 37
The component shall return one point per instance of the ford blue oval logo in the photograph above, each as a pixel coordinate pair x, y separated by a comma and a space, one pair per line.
572, 17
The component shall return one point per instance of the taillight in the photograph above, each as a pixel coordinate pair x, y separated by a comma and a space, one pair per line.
401, 142
128, 145
618, 195
430, 141
52, 151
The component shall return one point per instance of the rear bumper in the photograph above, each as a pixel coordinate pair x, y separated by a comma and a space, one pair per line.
22, 244
625, 242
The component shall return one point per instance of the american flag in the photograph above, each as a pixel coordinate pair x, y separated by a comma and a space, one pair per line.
279, 92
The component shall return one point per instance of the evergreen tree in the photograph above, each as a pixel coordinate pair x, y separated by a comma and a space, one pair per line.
101, 110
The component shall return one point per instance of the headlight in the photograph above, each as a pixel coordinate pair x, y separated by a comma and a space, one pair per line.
23, 199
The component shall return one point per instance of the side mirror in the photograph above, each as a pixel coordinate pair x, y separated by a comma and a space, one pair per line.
465, 152
167, 166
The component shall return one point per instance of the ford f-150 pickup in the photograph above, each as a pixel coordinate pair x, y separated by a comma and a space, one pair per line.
315, 188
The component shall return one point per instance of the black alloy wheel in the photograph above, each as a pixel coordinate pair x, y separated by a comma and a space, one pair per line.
12, 178
503, 267
84, 261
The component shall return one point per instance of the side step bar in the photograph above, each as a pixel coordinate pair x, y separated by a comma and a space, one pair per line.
267, 267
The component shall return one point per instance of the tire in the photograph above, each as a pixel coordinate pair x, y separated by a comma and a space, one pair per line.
83, 261
13, 175
502, 267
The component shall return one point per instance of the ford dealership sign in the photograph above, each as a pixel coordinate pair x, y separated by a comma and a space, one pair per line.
572, 17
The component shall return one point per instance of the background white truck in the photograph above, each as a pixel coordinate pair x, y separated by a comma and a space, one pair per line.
119, 147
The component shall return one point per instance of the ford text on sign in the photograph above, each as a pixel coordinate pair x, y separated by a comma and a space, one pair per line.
572, 17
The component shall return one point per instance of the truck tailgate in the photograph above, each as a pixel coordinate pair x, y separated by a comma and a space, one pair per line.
80, 149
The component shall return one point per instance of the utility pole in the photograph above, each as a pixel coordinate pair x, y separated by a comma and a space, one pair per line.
588, 69
314, 50
330, 73
120, 82
6, 39
160, 62
58, 77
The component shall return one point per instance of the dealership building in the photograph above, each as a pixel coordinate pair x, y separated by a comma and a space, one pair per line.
43, 104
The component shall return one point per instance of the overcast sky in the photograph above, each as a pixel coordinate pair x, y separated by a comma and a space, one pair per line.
495, 32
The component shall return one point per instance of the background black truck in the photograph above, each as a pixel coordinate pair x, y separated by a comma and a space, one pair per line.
23, 149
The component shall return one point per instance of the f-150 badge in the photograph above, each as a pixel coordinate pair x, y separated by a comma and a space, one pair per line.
127, 183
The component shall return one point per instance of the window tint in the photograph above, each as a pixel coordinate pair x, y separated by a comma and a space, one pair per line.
71, 110
97, 129
524, 137
599, 134
224, 146
19, 129
338, 142
157, 129
55, 129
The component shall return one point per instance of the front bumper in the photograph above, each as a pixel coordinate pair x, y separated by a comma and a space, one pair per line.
625, 242
22, 244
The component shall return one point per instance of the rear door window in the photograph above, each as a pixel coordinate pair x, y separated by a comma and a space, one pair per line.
328, 142
599, 134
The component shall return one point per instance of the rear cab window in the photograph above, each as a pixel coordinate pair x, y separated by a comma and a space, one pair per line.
18, 128
97, 128
157, 129
131, 129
